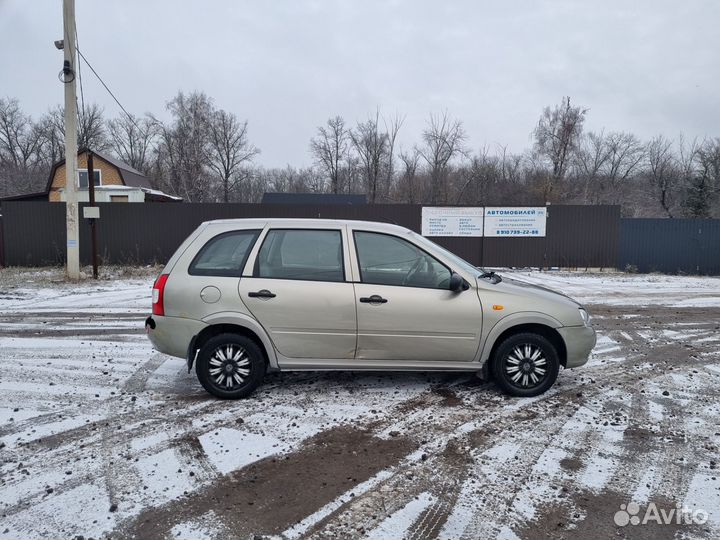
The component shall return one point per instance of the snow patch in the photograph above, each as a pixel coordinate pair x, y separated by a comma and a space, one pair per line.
160, 474
230, 449
462, 514
704, 494
398, 524
538, 486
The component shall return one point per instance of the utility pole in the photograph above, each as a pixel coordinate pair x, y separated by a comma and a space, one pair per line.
71, 197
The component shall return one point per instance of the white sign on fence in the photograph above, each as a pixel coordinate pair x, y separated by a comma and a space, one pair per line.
515, 221
452, 221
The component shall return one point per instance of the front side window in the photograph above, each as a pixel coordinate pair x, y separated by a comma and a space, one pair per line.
388, 260
224, 255
310, 255
83, 178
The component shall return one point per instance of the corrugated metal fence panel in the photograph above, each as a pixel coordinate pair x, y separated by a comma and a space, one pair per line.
709, 245
34, 233
671, 245
147, 233
583, 236
151, 232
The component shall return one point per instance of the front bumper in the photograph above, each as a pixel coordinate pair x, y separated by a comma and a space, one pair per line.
172, 335
579, 343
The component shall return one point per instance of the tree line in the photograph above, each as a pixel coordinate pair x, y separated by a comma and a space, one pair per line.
203, 153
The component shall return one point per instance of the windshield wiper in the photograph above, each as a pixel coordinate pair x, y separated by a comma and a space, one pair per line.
495, 278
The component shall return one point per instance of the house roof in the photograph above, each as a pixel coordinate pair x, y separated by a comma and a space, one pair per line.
154, 195
130, 176
38, 196
312, 198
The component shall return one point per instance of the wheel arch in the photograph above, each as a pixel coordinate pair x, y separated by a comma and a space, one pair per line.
248, 328
544, 327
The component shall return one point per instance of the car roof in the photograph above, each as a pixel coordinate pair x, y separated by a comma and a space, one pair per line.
300, 222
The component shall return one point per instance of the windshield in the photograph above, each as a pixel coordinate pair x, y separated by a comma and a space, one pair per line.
466, 266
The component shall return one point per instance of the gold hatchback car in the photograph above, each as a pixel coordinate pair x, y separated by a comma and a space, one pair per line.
244, 296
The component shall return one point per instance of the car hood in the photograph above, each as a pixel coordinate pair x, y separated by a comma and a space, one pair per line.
519, 287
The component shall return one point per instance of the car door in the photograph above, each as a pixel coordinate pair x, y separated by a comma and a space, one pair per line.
405, 309
299, 292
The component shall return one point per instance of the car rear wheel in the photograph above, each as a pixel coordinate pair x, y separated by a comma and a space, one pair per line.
525, 365
230, 366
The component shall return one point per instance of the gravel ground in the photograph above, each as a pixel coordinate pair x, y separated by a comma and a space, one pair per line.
101, 436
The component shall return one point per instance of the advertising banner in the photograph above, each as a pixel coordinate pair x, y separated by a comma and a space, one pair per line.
515, 221
452, 221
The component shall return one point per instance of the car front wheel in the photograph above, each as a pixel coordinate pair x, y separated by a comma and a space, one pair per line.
525, 364
230, 366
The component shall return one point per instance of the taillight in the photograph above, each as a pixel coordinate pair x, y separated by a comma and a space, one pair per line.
158, 305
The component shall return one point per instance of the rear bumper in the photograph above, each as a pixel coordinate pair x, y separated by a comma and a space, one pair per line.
579, 342
172, 335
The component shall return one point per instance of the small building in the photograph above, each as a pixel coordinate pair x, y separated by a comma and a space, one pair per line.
115, 181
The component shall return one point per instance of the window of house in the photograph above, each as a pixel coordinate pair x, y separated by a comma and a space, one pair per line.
119, 198
83, 178
388, 260
309, 255
224, 255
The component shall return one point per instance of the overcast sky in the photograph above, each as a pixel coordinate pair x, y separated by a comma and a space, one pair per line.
287, 65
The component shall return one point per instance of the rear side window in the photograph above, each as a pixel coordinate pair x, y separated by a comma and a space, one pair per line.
309, 255
224, 255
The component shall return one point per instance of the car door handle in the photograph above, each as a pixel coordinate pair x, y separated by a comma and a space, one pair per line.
261, 294
374, 299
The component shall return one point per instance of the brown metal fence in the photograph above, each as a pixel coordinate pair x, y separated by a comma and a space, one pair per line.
34, 232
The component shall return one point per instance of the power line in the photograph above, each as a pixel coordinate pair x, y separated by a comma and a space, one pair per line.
107, 88
82, 93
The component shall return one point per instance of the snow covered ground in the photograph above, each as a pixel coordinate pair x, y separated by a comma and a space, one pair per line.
101, 436
619, 289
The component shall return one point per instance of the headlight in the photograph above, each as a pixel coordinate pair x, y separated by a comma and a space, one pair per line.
585, 316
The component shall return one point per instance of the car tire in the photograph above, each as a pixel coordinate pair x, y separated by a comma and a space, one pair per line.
525, 365
233, 358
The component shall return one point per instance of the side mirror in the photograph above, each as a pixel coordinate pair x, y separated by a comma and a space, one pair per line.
457, 283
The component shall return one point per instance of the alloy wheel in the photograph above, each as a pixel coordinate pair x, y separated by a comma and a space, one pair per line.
229, 367
526, 366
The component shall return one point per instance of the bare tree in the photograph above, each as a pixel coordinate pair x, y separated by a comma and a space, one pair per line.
286, 180
131, 139
392, 128
371, 146
556, 137
444, 140
687, 158
20, 140
408, 184
625, 154
590, 158
183, 147
510, 166
52, 128
663, 173
477, 177
229, 150
91, 128
329, 148
702, 192
21, 164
